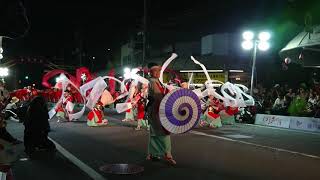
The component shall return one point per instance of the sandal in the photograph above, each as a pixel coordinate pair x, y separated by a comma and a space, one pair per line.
152, 158
138, 129
170, 160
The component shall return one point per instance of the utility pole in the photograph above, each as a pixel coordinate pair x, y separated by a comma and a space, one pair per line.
144, 33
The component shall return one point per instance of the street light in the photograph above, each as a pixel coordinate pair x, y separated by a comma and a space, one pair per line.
4, 72
261, 43
1, 51
127, 73
127, 70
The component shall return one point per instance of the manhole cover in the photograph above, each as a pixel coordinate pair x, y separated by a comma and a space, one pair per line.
122, 169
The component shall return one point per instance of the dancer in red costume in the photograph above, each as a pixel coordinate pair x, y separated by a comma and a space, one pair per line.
96, 116
140, 103
65, 107
212, 116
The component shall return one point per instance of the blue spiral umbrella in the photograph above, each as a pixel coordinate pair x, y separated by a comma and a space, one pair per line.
180, 111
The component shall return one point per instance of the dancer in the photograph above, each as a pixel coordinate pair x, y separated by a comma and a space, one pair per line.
159, 138
212, 116
141, 101
96, 116
228, 115
131, 113
67, 103
65, 107
60, 113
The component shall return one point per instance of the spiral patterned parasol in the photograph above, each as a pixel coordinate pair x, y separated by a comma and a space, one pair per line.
180, 111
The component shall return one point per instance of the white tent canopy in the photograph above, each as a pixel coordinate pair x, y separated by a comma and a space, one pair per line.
307, 44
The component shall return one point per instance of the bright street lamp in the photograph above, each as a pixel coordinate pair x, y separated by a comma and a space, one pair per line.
126, 70
261, 43
248, 35
247, 45
263, 46
4, 72
264, 36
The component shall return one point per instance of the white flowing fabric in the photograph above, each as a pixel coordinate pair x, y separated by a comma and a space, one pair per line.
202, 66
190, 80
122, 107
51, 113
79, 114
69, 106
123, 89
164, 67
250, 101
228, 100
85, 87
98, 85
198, 92
96, 92
136, 78
65, 82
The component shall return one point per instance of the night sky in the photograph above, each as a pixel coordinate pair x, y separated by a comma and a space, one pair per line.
106, 24
56, 26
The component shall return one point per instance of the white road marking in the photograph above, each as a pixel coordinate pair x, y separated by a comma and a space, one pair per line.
238, 136
284, 129
91, 172
256, 145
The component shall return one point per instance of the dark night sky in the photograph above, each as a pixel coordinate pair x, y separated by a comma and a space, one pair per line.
105, 24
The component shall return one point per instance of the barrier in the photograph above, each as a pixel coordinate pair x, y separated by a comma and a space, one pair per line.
305, 124
272, 120
289, 122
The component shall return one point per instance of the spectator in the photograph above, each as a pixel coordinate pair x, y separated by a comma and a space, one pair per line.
290, 93
11, 108
278, 103
37, 127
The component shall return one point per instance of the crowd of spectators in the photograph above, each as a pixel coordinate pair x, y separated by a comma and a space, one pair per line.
302, 100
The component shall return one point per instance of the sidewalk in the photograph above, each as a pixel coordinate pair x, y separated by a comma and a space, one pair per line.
54, 168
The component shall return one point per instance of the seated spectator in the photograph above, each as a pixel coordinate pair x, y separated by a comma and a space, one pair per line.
312, 99
11, 108
278, 103
298, 106
290, 93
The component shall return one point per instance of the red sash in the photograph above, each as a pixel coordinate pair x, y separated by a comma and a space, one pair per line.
162, 89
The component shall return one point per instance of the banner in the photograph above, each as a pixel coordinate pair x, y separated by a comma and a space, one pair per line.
290, 122
305, 123
273, 120
200, 78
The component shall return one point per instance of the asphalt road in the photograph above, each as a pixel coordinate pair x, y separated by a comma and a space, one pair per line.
232, 152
